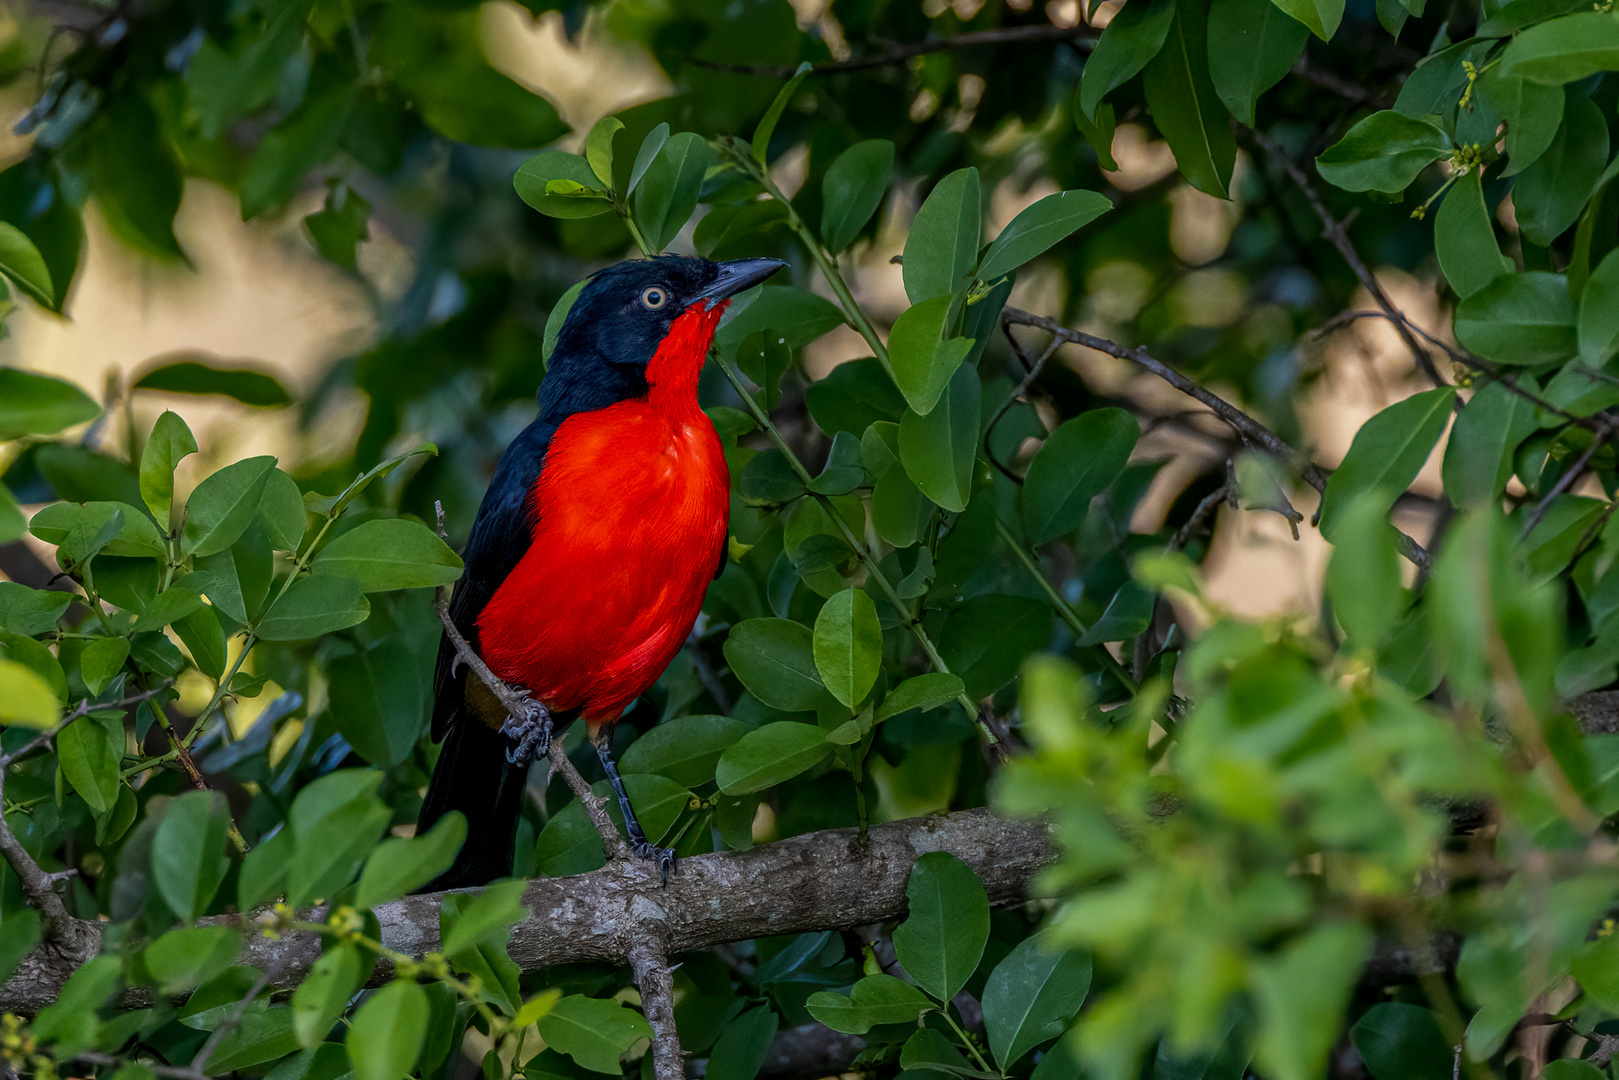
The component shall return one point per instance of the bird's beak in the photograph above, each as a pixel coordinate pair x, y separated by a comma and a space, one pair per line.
736, 275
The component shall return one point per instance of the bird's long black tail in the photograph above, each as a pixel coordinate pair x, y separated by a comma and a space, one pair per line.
474, 776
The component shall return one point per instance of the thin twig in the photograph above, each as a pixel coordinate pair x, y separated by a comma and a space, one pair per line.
1200, 516
1567, 480
272, 971
1338, 233
1031, 373
1083, 37
1248, 429
613, 845
1345, 89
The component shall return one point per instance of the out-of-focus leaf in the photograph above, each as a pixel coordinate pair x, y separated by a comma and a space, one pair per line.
33, 404
324, 994
193, 373
388, 1032
188, 853
182, 960
21, 261
338, 227
25, 699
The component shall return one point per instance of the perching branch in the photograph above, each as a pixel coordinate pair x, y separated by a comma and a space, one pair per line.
828, 880
1248, 429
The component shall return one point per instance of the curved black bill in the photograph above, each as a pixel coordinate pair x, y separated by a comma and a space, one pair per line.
736, 275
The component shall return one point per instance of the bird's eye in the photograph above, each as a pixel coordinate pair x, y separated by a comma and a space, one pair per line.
653, 297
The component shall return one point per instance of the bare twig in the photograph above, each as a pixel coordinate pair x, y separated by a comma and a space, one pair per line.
1031, 373
1338, 233
199, 1063
1083, 37
1200, 516
1248, 429
1345, 89
1567, 480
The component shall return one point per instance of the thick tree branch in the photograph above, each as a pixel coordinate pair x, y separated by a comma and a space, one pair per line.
827, 880
1248, 429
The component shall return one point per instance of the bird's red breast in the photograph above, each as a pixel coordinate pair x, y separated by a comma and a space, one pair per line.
629, 517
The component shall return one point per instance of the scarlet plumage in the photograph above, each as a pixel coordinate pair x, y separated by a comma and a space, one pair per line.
593, 547
629, 521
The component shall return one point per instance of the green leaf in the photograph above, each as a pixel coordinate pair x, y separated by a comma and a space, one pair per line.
13, 525
740, 1051
1523, 319
558, 318
101, 661
595, 1032
70, 1022
20, 934
388, 1032
1099, 132
685, 749
1253, 45
379, 697
282, 512
1186, 107
1129, 613
224, 505
844, 470
848, 645
21, 261
1479, 456
1134, 36
182, 960
667, 194
920, 692
491, 913
32, 404
338, 227
644, 156
259, 1037
313, 606
1363, 578
1321, 16
874, 1000
534, 177
922, 357
324, 994
1598, 325
570, 844
938, 450
1030, 995
1565, 50
138, 201
28, 611
536, 1008
1076, 463
91, 758
769, 755
25, 699
1387, 453
61, 523
930, 1051
390, 553
599, 148
772, 116
1037, 228
1550, 194
942, 939
775, 660
293, 147
852, 190
188, 853
1397, 1041
1464, 238
941, 249
174, 603
401, 865
1532, 112
1302, 993
987, 639
1384, 152
171, 440
197, 377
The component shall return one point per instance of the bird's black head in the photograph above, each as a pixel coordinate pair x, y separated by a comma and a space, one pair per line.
626, 313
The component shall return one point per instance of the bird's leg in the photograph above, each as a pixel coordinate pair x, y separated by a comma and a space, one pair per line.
530, 736
664, 857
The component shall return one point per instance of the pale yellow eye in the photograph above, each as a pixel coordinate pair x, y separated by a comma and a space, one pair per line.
654, 297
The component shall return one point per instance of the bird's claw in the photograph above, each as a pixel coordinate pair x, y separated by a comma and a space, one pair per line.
530, 736
664, 857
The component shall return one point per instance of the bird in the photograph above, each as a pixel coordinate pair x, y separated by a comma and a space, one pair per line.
592, 550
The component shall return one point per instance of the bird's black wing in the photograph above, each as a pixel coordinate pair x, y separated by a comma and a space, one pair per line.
501, 535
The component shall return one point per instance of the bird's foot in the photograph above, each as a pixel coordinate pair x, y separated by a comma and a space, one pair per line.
664, 857
530, 736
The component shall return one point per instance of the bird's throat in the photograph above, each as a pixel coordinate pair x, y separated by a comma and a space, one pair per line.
673, 372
